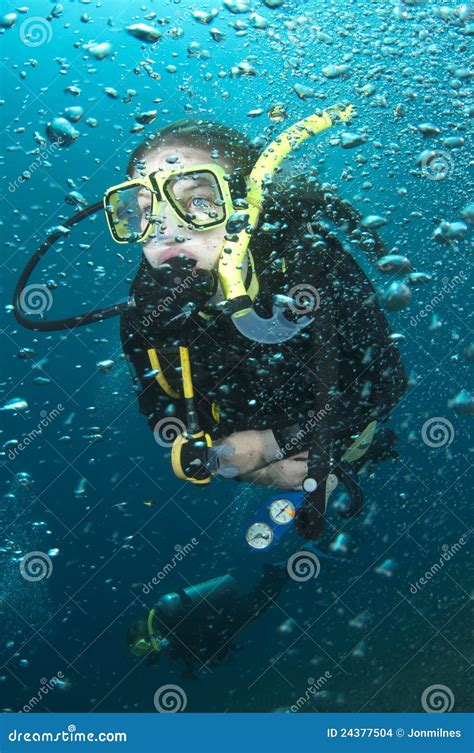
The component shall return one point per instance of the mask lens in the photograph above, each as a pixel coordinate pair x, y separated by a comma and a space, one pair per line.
129, 212
197, 198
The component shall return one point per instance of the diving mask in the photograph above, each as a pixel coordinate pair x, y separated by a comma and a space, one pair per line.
198, 196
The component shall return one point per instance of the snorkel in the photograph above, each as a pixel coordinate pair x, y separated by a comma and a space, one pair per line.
278, 328
152, 643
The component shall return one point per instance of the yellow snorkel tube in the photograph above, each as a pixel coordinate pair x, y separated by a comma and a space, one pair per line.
150, 642
278, 328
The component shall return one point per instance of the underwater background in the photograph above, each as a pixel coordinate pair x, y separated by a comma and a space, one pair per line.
85, 485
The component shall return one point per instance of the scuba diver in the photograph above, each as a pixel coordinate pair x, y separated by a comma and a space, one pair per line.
197, 625
249, 326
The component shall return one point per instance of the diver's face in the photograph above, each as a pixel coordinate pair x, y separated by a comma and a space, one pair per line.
172, 236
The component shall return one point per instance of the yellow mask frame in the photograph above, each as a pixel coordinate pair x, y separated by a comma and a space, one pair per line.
157, 184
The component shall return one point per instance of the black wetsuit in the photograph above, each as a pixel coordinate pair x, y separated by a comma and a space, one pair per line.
344, 359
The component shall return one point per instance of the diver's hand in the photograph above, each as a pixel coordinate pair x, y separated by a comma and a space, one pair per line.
285, 474
245, 451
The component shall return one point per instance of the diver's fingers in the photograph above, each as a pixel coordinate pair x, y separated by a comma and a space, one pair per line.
244, 450
300, 456
284, 474
265, 476
228, 471
223, 450
288, 473
218, 455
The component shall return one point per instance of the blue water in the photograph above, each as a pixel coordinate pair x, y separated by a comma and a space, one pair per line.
383, 639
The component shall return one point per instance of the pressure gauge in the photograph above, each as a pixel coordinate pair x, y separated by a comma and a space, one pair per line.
259, 535
282, 511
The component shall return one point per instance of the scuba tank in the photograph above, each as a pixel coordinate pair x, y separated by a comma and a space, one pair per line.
217, 593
